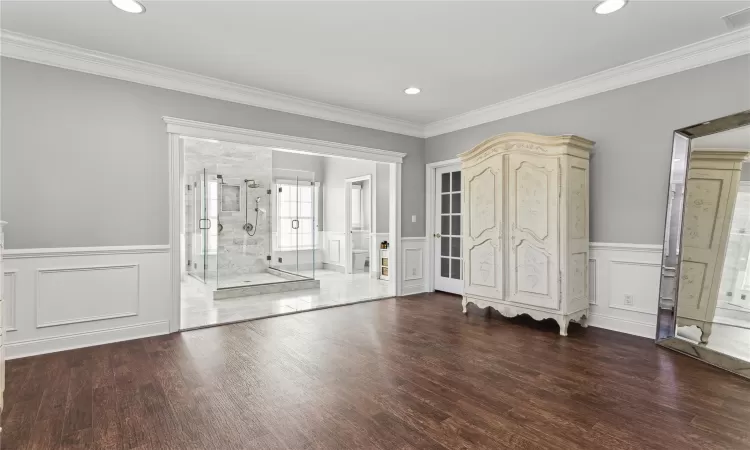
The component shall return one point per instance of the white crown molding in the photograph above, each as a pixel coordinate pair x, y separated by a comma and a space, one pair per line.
51, 53
709, 51
42, 51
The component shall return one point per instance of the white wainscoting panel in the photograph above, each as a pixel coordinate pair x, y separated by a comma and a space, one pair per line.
414, 257
335, 248
624, 286
84, 294
9, 300
69, 298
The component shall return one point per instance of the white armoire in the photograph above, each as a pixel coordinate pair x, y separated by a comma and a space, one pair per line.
712, 184
526, 226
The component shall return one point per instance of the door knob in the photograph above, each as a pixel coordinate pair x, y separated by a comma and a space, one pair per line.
437, 235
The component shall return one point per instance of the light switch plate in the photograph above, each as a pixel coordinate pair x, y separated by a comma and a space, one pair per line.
413, 219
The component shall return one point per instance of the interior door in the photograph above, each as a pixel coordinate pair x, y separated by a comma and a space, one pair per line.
533, 209
448, 246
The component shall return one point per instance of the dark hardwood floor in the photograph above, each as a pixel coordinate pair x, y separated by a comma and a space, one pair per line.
391, 374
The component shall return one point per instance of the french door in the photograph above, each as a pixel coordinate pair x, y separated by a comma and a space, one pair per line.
447, 225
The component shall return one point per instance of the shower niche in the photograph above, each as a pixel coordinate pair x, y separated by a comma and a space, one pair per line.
244, 230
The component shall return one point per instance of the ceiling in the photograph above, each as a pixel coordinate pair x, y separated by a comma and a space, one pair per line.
361, 55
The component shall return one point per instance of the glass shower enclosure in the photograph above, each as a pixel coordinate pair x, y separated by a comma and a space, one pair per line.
250, 232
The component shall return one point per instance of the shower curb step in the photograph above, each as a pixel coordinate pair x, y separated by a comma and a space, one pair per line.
271, 288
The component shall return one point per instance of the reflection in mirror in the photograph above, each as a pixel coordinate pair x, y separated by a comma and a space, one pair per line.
714, 225
705, 291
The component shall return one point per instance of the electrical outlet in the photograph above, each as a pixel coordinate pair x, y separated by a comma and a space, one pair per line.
628, 299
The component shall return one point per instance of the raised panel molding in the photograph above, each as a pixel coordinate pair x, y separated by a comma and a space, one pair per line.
74, 297
9, 300
655, 270
619, 269
334, 250
414, 257
61, 296
592, 281
413, 267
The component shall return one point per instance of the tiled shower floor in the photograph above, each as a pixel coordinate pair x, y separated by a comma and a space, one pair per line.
199, 309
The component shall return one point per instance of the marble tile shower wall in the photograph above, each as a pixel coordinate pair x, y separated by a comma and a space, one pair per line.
238, 253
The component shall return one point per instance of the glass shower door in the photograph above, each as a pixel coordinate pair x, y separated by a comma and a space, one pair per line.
303, 225
209, 225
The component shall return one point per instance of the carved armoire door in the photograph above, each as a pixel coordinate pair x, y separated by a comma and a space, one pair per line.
708, 195
483, 226
533, 210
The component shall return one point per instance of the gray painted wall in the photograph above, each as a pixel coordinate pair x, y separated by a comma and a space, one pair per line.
632, 127
85, 163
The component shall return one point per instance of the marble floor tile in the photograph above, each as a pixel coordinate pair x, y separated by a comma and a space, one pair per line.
199, 309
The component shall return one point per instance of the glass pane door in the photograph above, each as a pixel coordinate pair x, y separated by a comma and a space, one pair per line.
448, 246
208, 224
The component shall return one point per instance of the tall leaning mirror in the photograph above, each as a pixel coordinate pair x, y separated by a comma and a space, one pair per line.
704, 303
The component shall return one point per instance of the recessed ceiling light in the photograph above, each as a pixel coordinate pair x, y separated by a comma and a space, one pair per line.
131, 6
609, 6
412, 91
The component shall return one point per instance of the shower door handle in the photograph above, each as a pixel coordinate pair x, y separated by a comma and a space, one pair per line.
295, 224
200, 224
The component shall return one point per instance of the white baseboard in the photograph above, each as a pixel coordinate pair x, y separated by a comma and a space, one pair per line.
643, 329
30, 347
335, 267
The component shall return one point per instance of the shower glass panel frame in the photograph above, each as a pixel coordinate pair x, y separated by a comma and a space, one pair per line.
296, 224
206, 200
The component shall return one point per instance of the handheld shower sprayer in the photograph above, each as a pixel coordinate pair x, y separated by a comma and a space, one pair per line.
249, 228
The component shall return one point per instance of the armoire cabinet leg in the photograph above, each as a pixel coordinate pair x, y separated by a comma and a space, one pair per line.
563, 326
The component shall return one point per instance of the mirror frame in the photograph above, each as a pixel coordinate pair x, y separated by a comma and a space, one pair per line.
667, 314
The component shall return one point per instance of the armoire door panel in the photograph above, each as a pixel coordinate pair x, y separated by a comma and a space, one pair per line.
483, 222
531, 206
533, 269
706, 199
482, 202
534, 195
484, 260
